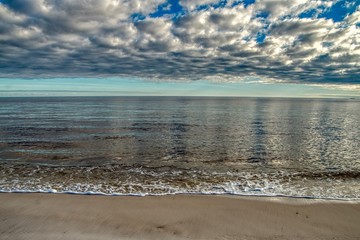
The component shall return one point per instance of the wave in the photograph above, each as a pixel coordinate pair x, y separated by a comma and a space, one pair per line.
164, 180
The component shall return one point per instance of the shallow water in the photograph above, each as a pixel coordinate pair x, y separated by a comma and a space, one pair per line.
166, 145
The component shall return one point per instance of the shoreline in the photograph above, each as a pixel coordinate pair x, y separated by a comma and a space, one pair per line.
182, 216
251, 196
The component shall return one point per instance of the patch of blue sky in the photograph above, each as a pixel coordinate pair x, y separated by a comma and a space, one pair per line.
340, 10
137, 17
171, 7
219, 4
261, 35
224, 3
244, 2
260, 38
336, 12
262, 14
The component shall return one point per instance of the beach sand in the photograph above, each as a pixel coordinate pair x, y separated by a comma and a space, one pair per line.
64, 216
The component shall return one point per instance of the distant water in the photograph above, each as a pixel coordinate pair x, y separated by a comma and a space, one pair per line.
167, 145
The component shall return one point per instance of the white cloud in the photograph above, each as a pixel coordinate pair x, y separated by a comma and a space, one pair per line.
353, 18
193, 4
100, 38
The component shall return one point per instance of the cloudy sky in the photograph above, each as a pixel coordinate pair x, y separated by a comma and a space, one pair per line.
180, 47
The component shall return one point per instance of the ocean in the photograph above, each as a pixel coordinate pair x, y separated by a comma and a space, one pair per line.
175, 145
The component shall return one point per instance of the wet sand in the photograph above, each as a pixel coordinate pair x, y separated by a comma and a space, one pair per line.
38, 216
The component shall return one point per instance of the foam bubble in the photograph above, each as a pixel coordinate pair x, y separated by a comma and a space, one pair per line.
139, 181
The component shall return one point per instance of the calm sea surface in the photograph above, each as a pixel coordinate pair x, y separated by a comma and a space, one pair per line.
166, 145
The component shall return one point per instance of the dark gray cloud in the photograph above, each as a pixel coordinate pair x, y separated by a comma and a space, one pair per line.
50, 38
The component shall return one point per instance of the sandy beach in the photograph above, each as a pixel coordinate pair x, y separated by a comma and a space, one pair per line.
64, 216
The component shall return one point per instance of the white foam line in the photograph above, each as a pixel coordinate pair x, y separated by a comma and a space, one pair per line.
53, 191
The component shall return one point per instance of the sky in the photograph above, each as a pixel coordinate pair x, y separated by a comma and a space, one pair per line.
294, 48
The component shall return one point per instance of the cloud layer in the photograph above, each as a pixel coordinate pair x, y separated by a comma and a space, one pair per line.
305, 41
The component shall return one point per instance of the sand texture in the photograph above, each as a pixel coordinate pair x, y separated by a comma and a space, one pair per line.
64, 216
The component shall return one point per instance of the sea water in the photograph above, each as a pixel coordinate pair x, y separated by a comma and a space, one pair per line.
170, 145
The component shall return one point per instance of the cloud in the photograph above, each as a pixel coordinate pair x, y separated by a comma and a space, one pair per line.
193, 4
273, 40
